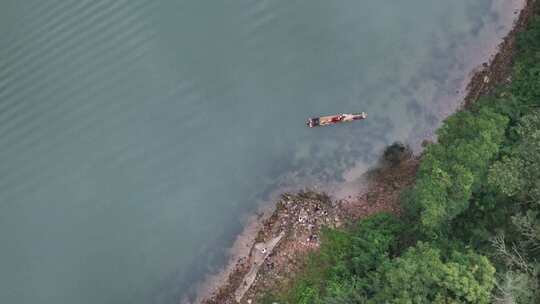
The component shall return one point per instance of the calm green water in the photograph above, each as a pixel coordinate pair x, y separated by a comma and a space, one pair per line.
136, 135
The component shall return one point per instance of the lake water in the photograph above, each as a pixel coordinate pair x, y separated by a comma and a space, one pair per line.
135, 136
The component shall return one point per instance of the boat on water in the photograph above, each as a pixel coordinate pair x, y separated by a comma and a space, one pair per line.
334, 119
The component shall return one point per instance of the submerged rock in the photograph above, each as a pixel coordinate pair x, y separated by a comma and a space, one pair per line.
396, 153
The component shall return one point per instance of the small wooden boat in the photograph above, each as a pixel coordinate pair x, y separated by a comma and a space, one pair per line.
334, 119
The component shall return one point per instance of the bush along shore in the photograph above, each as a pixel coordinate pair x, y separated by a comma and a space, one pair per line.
458, 224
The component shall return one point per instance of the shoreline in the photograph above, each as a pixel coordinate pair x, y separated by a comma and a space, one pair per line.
297, 219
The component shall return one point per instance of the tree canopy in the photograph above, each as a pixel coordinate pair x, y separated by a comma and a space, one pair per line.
421, 275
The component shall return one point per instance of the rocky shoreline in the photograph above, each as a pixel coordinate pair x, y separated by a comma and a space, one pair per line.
498, 70
293, 229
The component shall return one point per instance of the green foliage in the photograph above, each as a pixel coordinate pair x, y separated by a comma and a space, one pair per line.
455, 167
374, 239
422, 276
518, 282
528, 225
518, 174
487, 214
527, 66
345, 256
509, 202
515, 287
345, 292
507, 175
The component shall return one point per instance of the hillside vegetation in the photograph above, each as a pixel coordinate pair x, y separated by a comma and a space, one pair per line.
470, 229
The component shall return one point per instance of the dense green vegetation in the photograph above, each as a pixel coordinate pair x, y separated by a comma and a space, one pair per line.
471, 228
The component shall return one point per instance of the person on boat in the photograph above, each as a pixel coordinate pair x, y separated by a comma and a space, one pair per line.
337, 118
